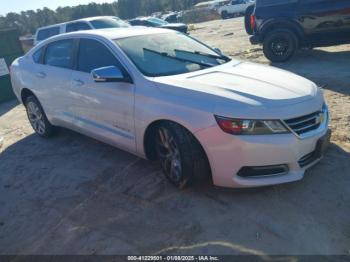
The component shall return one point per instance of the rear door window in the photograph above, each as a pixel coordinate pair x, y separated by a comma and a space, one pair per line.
78, 26
60, 54
48, 32
93, 54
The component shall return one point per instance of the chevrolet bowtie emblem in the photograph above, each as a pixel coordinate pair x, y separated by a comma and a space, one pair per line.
319, 118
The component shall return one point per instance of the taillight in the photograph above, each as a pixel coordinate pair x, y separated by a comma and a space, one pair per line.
252, 22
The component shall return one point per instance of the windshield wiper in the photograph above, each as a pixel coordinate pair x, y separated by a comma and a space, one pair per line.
222, 57
179, 58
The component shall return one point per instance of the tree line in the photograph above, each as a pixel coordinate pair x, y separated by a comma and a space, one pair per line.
28, 21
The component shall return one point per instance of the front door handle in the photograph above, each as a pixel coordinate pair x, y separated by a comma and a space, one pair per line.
41, 75
78, 82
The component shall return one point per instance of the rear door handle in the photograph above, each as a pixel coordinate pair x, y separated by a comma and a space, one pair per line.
78, 82
41, 75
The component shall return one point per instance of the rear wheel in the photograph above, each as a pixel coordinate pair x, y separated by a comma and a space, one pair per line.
37, 117
181, 157
280, 45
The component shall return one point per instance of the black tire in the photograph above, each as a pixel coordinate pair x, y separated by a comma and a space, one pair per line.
224, 15
34, 110
189, 163
248, 13
280, 45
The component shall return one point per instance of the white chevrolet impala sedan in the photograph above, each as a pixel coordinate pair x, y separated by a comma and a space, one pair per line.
165, 96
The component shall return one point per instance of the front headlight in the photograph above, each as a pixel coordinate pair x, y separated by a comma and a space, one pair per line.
250, 126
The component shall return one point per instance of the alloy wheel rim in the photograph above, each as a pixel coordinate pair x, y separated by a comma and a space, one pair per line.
169, 155
36, 118
280, 47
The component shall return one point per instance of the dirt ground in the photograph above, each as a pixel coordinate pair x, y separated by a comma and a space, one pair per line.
74, 195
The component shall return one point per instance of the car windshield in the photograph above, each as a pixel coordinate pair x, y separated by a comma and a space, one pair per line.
108, 23
157, 21
166, 54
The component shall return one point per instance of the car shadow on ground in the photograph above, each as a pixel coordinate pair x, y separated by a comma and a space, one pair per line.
328, 69
7, 106
71, 193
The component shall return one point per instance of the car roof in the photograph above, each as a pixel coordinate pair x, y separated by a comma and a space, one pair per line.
87, 19
93, 18
114, 33
110, 33
145, 18
139, 18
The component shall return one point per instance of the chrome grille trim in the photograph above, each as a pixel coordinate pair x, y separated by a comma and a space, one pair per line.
302, 121
302, 129
308, 125
301, 125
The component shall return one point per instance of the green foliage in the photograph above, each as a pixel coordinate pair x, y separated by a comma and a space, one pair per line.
27, 22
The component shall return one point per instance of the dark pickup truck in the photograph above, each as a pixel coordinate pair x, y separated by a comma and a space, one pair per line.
283, 26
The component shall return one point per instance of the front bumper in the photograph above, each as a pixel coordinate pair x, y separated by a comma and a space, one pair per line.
229, 154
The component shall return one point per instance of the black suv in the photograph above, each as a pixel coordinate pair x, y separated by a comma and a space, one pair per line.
283, 26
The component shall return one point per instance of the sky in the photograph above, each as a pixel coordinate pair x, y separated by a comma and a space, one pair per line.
17, 6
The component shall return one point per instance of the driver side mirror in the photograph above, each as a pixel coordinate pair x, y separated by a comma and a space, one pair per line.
109, 74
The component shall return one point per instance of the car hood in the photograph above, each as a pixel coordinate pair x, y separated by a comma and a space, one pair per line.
245, 85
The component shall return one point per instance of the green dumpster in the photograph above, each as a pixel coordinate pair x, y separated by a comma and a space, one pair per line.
10, 49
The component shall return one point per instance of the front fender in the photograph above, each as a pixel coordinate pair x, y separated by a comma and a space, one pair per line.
186, 111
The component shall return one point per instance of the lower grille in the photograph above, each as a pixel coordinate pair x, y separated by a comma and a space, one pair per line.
307, 123
262, 171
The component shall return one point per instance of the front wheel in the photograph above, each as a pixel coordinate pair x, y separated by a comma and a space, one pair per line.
280, 45
181, 157
37, 117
